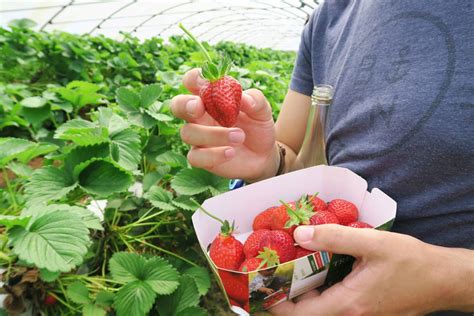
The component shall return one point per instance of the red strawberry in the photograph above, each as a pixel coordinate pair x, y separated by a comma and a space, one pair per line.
252, 264
50, 300
226, 252
323, 217
318, 204
235, 285
234, 302
345, 211
222, 94
263, 220
289, 215
302, 252
360, 225
247, 307
276, 247
252, 244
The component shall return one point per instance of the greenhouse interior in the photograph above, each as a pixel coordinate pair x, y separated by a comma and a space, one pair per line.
169, 157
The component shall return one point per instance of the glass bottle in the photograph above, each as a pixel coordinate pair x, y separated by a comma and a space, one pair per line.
313, 149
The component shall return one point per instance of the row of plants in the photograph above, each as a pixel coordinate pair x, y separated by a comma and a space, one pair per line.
96, 195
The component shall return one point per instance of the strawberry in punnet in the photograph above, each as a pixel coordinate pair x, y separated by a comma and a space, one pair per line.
289, 215
235, 285
264, 219
318, 204
302, 252
252, 244
345, 211
222, 94
252, 264
359, 224
226, 252
276, 247
323, 217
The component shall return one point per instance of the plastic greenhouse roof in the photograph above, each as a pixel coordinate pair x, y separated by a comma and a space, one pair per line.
262, 23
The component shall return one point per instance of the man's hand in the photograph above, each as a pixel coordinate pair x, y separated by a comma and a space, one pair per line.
392, 274
246, 151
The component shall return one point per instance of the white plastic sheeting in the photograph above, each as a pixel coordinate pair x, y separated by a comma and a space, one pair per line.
262, 23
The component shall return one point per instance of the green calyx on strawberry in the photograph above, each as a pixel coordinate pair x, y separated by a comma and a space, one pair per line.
222, 94
300, 214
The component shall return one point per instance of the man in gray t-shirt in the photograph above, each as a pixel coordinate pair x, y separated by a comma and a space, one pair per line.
401, 118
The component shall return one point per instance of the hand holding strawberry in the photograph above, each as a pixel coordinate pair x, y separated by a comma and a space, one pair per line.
246, 150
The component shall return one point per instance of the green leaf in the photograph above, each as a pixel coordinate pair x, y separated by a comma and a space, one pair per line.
185, 296
152, 178
104, 178
104, 299
93, 310
156, 272
135, 298
201, 277
195, 181
80, 93
149, 94
112, 121
129, 148
10, 221
82, 132
172, 159
49, 276
127, 99
79, 155
22, 23
55, 241
10, 148
78, 293
160, 198
193, 311
48, 184
184, 202
36, 116
33, 102
38, 149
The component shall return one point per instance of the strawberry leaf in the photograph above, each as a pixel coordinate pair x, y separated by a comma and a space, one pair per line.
81, 154
149, 94
48, 184
78, 293
10, 221
195, 181
112, 121
11, 147
129, 148
185, 296
135, 298
93, 310
172, 159
160, 198
127, 99
55, 241
201, 278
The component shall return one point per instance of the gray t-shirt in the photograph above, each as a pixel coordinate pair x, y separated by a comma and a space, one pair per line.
403, 111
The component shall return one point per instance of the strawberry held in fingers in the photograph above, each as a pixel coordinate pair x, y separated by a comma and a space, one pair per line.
221, 94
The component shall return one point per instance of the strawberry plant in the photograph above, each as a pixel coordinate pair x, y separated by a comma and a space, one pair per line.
95, 189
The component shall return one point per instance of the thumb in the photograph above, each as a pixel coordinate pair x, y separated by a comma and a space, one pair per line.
339, 239
256, 106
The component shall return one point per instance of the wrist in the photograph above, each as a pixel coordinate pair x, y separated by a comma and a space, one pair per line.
271, 166
454, 277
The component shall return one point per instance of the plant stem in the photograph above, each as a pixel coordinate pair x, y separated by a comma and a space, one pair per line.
163, 250
9, 188
208, 57
206, 212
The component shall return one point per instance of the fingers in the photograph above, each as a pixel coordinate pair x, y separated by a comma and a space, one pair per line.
208, 158
339, 239
290, 308
187, 107
211, 136
193, 81
255, 105
307, 295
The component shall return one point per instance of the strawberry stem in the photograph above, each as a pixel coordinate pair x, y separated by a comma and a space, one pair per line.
206, 212
201, 47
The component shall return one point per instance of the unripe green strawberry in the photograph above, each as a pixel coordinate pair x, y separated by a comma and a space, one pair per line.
222, 94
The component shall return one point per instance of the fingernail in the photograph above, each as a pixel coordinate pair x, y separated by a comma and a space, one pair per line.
249, 99
236, 137
200, 81
304, 234
191, 107
229, 153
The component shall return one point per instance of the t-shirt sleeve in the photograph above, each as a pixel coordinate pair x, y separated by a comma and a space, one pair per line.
302, 77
